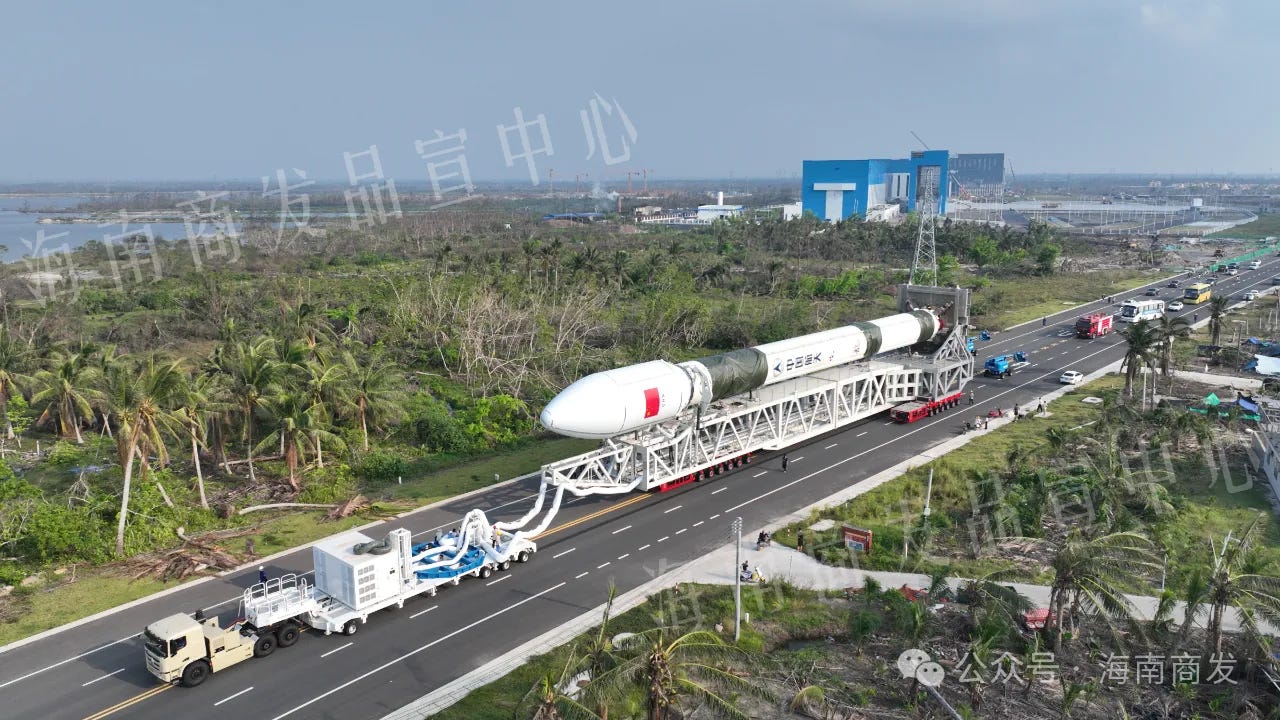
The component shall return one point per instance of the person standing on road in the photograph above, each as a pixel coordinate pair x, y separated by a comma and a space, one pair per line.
970, 397
800, 542
262, 573
1044, 321
784, 462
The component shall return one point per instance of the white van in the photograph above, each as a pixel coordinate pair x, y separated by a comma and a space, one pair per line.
1255, 264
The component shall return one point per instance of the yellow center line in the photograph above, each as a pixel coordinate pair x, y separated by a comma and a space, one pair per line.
592, 516
127, 703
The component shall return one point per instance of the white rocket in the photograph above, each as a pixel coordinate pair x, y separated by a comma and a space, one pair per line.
618, 401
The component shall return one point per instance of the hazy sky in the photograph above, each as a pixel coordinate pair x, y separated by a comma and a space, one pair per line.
136, 90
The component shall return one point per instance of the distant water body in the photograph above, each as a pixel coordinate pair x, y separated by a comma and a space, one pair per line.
22, 235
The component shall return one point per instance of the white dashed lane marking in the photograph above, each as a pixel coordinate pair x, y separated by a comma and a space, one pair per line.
423, 612
615, 532
713, 492
664, 512
763, 472
579, 576
681, 530
566, 552
344, 647
104, 677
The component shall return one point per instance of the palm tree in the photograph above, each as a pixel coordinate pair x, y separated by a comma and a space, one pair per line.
138, 398
670, 670
988, 592
372, 386
1141, 339
548, 702
531, 248
1085, 570
64, 389
253, 373
620, 259
296, 429
346, 316
325, 389
1217, 309
1234, 581
1169, 328
203, 398
14, 358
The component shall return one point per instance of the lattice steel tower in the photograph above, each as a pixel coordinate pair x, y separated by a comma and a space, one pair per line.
924, 268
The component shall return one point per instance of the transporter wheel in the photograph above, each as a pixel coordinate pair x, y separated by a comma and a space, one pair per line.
504, 565
523, 556
351, 628
287, 635
264, 645
485, 572
195, 673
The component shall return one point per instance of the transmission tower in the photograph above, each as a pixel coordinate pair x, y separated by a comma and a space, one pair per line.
924, 268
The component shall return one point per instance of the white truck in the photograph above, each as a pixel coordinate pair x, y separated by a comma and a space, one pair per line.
355, 576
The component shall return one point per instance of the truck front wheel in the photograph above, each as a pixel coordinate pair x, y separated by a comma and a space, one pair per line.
195, 673
523, 556
287, 635
264, 645
351, 628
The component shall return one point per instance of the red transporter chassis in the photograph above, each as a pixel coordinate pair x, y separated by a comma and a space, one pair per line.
912, 411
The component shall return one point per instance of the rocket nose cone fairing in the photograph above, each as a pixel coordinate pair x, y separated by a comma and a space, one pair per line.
613, 402
585, 409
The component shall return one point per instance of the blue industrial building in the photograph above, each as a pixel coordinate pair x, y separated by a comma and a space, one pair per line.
839, 189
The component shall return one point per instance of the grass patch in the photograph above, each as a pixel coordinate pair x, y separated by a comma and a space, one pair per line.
446, 483
1266, 225
1009, 301
94, 593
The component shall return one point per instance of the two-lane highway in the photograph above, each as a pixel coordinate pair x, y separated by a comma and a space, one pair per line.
96, 670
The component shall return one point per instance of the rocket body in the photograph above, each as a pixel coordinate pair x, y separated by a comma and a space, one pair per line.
618, 401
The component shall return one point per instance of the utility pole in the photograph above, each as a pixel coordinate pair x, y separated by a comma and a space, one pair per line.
551, 178
736, 534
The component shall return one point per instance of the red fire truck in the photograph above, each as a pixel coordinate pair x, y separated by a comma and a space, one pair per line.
1094, 325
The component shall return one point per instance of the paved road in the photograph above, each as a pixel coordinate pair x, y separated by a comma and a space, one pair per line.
96, 670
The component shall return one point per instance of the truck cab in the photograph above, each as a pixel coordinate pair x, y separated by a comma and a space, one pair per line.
1005, 365
180, 648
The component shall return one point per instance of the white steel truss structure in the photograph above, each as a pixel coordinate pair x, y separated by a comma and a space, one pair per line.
692, 447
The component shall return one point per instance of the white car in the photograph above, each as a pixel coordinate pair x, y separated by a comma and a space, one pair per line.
1251, 295
1071, 377
1175, 306
1233, 271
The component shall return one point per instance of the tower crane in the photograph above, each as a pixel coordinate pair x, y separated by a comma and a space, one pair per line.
577, 180
644, 173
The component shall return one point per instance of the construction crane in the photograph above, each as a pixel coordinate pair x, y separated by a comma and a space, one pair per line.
630, 173
577, 183
645, 174
551, 178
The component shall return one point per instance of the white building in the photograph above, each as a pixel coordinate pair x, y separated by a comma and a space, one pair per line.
719, 210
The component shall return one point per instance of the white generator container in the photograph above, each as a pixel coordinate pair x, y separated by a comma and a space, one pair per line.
357, 581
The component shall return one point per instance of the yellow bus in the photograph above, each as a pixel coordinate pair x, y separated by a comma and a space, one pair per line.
1198, 293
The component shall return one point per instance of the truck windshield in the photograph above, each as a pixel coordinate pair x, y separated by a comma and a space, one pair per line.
155, 644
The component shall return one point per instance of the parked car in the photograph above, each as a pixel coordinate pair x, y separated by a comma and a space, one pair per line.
1275, 280
1251, 295
1174, 306
1071, 377
1152, 292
